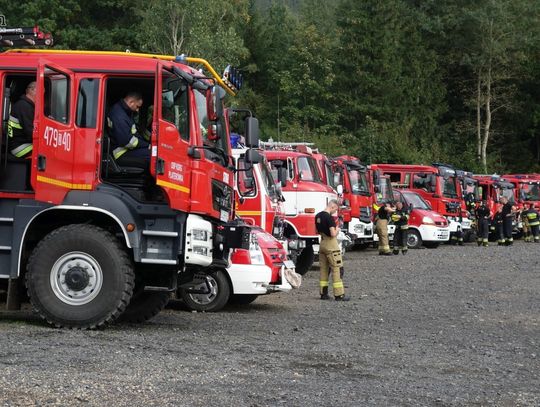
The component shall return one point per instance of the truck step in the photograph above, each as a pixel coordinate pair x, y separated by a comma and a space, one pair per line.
159, 233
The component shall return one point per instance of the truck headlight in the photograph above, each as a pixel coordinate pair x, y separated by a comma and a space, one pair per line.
255, 253
427, 220
199, 234
200, 250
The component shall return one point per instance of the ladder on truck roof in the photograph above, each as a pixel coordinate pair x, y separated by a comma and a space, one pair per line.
231, 80
24, 36
290, 146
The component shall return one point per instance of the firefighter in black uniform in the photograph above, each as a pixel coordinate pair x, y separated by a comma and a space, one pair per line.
534, 223
21, 123
401, 220
482, 219
329, 252
498, 222
507, 214
527, 235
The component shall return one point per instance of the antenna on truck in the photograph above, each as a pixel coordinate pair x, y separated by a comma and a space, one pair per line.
24, 36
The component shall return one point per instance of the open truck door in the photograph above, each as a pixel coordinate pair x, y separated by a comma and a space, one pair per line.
54, 132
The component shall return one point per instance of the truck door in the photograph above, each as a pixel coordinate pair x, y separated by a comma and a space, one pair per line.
54, 134
171, 128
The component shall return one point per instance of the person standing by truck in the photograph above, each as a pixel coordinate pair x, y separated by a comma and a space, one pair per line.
533, 219
507, 214
381, 227
482, 219
401, 220
329, 252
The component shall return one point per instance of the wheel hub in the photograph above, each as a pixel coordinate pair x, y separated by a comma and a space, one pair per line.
76, 278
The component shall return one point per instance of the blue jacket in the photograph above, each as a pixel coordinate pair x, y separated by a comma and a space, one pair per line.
123, 131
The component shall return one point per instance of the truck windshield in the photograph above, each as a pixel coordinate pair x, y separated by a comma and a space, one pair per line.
449, 188
530, 192
385, 190
307, 169
471, 188
268, 180
329, 175
507, 192
217, 149
359, 182
415, 200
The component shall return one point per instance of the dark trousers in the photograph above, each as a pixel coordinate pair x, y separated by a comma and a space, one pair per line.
535, 230
483, 230
507, 230
400, 240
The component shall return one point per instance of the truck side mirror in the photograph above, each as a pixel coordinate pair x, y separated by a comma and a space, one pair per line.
252, 157
252, 132
340, 189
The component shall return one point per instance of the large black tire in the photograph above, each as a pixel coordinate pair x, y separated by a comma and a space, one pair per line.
80, 276
305, 260
242, 299
414, 240
145, 305
217, 297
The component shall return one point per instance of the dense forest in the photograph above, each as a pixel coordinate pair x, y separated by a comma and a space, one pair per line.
411, 81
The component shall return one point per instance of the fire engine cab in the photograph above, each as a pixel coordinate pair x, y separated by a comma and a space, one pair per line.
92, 239
305, 195
437, 184
357, 195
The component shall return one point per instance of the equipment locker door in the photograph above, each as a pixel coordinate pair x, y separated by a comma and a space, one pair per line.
54, 135
171, 127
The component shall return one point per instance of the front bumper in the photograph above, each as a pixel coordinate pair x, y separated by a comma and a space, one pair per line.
255, 279
361, 230
430, 233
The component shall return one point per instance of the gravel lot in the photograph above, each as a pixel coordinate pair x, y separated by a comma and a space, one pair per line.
445, 327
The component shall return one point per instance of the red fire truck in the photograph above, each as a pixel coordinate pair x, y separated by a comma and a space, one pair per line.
490, 189
437, 184
94, 240
357, 195
527, 188
305, 195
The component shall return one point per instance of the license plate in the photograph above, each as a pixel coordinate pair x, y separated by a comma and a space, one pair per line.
224, 216
289, 264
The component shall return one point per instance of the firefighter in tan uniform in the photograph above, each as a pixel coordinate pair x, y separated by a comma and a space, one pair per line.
329, 252
381, 227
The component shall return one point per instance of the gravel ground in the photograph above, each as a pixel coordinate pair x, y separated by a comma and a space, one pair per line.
445, 327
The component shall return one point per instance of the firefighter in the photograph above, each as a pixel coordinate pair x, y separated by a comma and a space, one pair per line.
381, 228
482, 219
129, 146
527, 235
401, 220
507, 214
498, 221
534, 223
329, 252
21, 123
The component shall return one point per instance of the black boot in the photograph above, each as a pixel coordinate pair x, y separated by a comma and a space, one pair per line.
324, 294
343, 298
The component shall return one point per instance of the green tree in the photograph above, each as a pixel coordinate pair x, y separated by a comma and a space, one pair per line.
97, 25
207, 29
387, 76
